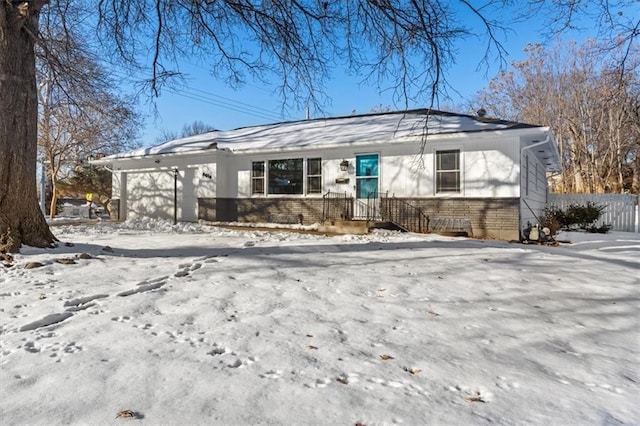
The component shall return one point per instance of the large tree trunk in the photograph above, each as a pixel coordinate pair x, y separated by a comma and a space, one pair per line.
21, 220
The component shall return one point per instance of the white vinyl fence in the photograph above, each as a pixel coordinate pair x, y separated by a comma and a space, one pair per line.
621, 210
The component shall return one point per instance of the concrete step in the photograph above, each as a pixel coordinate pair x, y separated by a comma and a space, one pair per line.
340, 226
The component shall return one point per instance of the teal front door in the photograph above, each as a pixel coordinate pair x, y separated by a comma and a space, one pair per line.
367, 176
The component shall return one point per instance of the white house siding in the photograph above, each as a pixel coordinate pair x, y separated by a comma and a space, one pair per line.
145, 186
489, 168
149, 194
533, 196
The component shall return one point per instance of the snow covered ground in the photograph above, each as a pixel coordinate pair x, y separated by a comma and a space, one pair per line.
200, 325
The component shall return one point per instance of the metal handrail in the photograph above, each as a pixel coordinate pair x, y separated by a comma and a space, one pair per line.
336, 205
403, 214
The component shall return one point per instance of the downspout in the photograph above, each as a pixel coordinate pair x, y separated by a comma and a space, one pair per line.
175, 196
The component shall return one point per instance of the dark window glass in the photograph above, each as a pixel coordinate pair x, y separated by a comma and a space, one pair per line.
286, 176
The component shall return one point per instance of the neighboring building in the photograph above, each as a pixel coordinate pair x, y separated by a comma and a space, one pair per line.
491, 172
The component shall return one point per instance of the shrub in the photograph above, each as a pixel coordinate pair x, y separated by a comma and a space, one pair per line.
583, 216
576, 215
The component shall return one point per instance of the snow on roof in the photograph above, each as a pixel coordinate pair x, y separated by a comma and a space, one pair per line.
336, 131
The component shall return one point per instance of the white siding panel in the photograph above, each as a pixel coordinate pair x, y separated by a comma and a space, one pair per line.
489, 173
533, 188
150, 194
206, 181
407, 176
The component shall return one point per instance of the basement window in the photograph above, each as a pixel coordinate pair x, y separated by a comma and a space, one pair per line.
448, 171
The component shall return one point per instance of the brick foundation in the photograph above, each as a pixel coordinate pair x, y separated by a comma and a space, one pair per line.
496, 218
274, 210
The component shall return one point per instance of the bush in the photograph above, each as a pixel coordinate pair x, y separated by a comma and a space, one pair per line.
554, 219
575, 216
583, 216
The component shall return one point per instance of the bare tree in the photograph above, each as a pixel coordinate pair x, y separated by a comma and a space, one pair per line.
590, 105
617, 24
79, 112
194, 128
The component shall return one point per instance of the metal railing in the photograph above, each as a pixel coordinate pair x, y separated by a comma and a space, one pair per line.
403, 214
368, 210
337, 205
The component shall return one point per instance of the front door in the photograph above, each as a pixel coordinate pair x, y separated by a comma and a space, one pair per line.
367, 176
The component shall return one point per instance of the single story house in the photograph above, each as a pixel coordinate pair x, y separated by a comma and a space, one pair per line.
489, 172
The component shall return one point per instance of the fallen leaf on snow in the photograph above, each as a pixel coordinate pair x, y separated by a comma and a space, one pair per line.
342, 380
434, 314
126, 413
309, 335
476, 398
386, 357
311, 347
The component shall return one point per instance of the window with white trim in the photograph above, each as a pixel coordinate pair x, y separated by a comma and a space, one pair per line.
257, 177
448, 171
314, 176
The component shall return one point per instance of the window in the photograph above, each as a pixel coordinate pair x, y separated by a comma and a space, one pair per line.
314, 176
448, 171
257, 177
286, 176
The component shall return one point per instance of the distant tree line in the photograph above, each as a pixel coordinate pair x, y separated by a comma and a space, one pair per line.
590, 98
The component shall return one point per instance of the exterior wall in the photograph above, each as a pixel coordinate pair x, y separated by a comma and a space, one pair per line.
533, 199
150, 194
206, 181
146, 186
496, 218
489, 168
273, 210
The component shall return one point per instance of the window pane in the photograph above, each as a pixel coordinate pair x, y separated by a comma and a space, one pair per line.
448, 160
257, 169
286, 176
314, 166
367, 165
314, 184
448, 182
257, 186
367, 188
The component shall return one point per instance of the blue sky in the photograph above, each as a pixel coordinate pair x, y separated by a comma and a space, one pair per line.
209, 100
